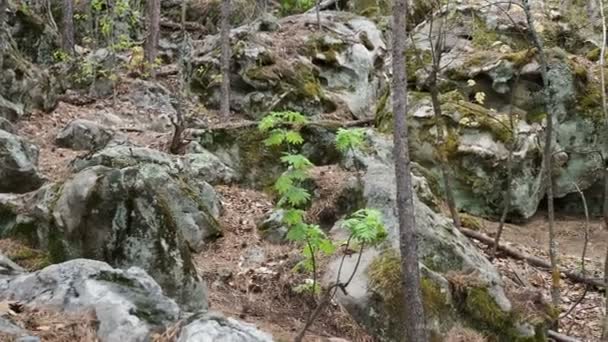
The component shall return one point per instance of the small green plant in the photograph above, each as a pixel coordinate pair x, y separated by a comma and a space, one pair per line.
283, 130
296, 6
61, 56
349, 139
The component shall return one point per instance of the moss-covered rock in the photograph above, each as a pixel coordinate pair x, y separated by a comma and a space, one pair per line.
130, 213
315, 72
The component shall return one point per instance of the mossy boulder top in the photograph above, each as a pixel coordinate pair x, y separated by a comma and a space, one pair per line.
295, 66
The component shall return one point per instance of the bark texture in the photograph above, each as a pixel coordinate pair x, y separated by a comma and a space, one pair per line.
67, 34
414, 322
225, 58
153, 24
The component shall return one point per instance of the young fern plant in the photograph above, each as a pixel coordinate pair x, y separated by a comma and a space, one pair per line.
283, 130
365, 229
348, 141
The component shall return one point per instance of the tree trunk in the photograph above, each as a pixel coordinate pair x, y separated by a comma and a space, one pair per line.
225, 59
67, 36
547, 156
153, 23
508, 191
445, 173
414, 321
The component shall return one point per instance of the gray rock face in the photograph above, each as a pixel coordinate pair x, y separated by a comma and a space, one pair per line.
137, 216
272, 228
18, 164
340, 68
83, 135
6, 125
208, 167
127, 303
25, 39
441, 249
214, 327
128, 207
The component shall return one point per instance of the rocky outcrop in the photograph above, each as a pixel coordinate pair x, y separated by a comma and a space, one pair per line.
242, 150
82, 134
128, 304
25, 39
337, 70
443, 253
128, 210
483, 54
18, 164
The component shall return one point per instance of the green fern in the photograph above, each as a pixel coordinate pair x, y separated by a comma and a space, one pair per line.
366, 227
349, 139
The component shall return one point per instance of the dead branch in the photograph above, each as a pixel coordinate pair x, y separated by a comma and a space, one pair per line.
532, 260
189, 25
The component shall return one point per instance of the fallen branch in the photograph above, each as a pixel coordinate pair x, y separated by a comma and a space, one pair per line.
189, 25
532, 260
561, 337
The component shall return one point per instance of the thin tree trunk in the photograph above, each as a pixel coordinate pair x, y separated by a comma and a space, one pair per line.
547, 156
602, 62
414, 320
445, 173
318, 11
67, 37
225, 59
508, 191
179, 125
153, 23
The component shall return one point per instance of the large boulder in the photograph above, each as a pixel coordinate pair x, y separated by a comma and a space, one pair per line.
83, 134
460, 286
214, 327
336, 69
483, 54
128, 304
241, 149
128, 213
18, 164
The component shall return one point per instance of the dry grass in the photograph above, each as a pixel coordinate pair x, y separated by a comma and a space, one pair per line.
461, 334
261, 292
53, 326
28, 258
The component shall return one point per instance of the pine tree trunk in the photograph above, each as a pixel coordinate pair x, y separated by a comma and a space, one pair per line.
225, 59
153, 24
414, 321
67, 36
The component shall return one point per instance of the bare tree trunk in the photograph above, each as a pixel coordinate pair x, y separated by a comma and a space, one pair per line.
445, 173
318, 12
414, 320
547, 156
3, 6
153, 23
508, 192
605, 205
179, 124
603, 60
67, 37
225, 59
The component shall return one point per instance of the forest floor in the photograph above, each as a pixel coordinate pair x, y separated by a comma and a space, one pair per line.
253, 280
